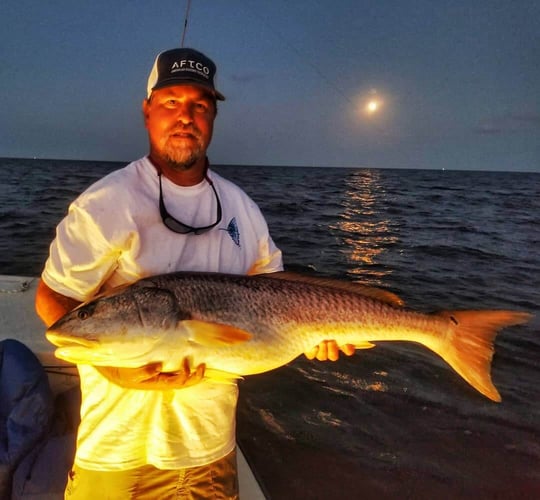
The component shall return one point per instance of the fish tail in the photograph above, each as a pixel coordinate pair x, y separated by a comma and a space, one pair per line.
469, 347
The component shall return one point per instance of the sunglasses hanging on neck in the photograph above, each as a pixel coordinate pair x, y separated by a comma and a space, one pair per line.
179, 227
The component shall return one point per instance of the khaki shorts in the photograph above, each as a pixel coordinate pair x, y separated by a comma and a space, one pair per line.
216, 480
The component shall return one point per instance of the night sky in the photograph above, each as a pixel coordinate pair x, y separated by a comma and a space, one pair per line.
452, 84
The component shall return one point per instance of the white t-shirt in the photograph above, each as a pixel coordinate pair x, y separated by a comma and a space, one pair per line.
113, 234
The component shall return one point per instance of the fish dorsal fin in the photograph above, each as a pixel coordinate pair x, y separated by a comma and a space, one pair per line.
214, 334
367, 291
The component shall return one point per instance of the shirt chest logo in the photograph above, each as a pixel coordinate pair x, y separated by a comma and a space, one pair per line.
232, 231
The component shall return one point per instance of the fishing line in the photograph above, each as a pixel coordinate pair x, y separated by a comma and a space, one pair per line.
302, 57
188, 5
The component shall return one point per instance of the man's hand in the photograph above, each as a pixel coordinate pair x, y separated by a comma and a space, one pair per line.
151, 377
329, 350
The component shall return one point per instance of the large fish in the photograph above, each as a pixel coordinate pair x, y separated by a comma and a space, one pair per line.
243, 325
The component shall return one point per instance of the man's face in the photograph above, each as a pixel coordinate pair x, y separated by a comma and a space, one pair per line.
180, 121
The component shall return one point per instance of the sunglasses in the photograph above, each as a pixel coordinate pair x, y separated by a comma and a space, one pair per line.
179, 227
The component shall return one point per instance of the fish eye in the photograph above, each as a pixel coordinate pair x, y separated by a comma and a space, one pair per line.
83, 314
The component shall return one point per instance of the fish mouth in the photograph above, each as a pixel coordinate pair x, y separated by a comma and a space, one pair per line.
90, 351
61, 340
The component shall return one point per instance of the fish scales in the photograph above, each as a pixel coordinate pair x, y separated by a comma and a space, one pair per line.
244, 325
291, 316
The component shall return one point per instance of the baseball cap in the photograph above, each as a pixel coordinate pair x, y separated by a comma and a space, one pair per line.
183, 66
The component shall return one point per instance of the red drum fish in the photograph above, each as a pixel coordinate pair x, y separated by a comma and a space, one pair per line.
244, 325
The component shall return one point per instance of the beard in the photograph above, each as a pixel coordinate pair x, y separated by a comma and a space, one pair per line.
182, 155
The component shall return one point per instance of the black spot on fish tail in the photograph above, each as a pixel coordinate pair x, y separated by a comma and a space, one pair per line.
454, 320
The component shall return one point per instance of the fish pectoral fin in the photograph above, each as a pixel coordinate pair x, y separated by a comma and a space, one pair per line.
364, 345
214, 334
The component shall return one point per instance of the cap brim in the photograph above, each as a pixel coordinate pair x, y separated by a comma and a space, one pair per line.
171, 82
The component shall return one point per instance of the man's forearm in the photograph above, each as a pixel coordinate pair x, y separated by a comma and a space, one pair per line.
51, 305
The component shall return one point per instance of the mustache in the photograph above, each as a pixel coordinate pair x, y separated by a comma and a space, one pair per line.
186, 129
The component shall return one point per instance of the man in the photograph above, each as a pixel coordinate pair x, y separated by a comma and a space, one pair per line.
143, 433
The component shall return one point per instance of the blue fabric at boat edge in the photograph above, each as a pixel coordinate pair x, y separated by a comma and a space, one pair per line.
26, 407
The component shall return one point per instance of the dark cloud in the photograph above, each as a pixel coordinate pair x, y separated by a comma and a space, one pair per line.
509, 123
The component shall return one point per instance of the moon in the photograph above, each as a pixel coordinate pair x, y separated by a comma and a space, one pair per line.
372, 106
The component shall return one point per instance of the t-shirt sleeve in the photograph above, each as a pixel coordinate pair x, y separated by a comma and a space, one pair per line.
269, 258
81, 257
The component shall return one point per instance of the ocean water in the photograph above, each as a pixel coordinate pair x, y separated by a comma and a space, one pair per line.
394, 421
